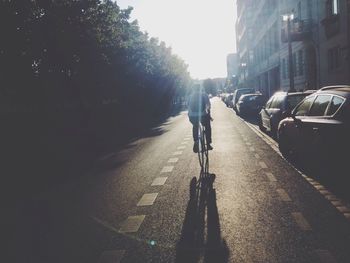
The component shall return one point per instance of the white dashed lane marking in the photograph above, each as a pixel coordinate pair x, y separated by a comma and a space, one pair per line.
177, 153
147, 199
112, 256
159, 181
252, 149
263, 165
132, 224
283, 195
301, 221
187, 139
323, 256
173, 160
181, 147
167, 169
271, 177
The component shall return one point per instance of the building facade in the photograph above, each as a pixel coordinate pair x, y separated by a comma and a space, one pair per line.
319, 36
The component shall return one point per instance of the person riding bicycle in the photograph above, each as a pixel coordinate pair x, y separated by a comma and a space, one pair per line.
199, 111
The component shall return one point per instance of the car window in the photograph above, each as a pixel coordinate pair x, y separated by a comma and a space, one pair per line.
293, 101
303, 108
334, 105
277, 102
319, 106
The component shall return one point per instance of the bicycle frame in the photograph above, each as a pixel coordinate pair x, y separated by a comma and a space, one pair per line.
203, 154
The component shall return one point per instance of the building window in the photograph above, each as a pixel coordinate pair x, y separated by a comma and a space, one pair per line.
300, 63
332, 7
333, 58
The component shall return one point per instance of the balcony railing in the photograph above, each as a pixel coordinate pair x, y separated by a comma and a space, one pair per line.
300, 30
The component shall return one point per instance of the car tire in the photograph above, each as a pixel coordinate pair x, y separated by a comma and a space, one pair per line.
261, 126
285, 147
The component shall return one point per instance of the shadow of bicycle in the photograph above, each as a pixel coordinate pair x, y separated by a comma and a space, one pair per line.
201, 235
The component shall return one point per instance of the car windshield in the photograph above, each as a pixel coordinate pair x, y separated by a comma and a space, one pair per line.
249, 98
293, 101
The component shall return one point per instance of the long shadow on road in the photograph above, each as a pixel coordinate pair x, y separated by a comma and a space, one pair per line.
201, 234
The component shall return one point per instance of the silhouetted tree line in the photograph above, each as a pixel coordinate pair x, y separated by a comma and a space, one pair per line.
83, 60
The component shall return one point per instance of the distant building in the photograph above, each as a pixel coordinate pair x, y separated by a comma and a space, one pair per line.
320, 44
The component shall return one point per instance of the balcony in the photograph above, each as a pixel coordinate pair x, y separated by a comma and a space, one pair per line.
300, 30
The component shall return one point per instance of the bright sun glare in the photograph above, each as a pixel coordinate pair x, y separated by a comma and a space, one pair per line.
199, 31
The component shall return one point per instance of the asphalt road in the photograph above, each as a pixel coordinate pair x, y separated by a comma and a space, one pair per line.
138, 205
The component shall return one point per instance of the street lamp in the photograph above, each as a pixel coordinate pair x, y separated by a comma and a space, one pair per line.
288, 18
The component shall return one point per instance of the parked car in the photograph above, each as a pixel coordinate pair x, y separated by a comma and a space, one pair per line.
250, 104
277, 108
319, 127
228, 100
238, 93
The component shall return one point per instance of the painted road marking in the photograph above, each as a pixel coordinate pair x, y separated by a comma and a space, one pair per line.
274, 146
283, 195
301, 221
167, 169
147, 199
132, 224
347, 215
159, 181
177, 153
323, 256
271, 177
331, 197
336, 203
112, 256
181, 147
263, 165
248, 143
257, 156
173, 160
184, 143
187, 139
343, 209
252, 149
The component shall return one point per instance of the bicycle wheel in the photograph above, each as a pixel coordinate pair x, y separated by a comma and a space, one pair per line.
202, 148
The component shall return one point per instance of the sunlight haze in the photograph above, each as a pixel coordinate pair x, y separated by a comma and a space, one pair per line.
200, 31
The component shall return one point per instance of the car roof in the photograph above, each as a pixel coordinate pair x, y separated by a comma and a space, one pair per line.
341, 90
251, 94
285, 93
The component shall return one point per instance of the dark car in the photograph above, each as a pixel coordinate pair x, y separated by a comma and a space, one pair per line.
319, 127
250, 104
238, 93
278, 107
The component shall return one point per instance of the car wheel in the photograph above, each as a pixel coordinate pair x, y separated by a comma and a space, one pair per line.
261, 126
285, 147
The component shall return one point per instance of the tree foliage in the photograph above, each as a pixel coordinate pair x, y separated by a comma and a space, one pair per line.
59, 54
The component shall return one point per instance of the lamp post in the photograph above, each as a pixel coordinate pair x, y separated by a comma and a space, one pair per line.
288, 18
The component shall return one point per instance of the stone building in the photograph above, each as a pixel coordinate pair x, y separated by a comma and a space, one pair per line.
319, 32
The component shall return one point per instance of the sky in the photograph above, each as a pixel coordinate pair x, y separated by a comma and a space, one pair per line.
201, 32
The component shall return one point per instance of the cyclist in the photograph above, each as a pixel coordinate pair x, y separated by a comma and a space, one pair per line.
199, 110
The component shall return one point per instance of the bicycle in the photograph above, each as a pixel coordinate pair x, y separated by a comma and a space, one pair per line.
203, 153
